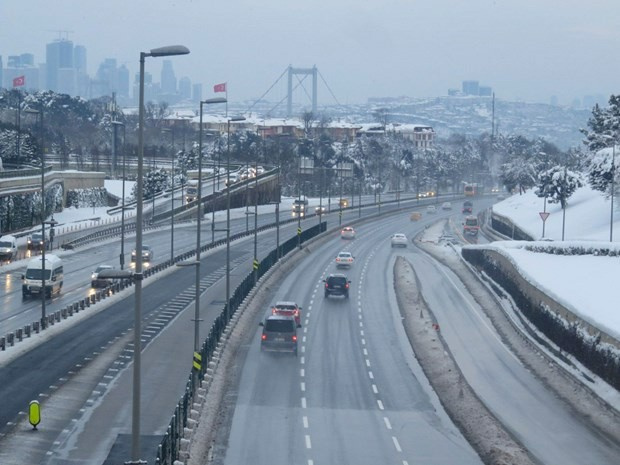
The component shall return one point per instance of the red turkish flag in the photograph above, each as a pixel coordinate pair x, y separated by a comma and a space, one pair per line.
219, 87
19, 81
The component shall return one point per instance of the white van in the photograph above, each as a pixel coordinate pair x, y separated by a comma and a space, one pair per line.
8, 248
32, 282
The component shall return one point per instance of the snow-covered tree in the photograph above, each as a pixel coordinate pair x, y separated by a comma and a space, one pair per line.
558, 184
155, 181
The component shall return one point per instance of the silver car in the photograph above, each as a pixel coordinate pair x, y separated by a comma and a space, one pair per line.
147, 254
399, 240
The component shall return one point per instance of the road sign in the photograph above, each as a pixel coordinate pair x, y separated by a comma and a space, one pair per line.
299, 231
255, 264
197, 361
544, 215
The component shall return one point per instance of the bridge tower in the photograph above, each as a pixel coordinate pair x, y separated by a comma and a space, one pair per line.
305, 72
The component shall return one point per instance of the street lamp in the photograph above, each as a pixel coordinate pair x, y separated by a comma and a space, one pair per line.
122, 255
199, 214
613, 179
229, 120
135, 424
40, 114
171, 131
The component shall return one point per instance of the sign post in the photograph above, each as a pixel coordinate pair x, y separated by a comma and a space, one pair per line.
543, 217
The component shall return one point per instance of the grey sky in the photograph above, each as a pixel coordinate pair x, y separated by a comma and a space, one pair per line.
526, 49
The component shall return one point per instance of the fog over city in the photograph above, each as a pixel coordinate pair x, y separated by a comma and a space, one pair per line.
530, 50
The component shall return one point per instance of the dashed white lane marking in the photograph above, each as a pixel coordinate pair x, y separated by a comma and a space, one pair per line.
303, 339
310, 462
361, 324
363, 341
367, 362
396, 444
405, 462
305, 420
303, 386
303, 402
359, 316
388, 425
303, 349
374, 389
365, 352
380, 404
302, 372
305, 330
370, 375
302, 360
362, 332
308, 442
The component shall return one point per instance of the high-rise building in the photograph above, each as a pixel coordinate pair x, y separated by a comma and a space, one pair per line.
185, 88
197, 92
59, 56
20, 65
123, 81
1, 76
471, 88
79, 62
485, 91
168, 79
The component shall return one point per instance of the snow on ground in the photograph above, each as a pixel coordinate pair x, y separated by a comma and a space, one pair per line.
587, 215
585, 283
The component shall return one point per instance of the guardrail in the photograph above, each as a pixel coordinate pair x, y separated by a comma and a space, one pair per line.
24, 173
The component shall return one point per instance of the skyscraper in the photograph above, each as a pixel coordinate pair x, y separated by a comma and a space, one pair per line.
168, 79
123, 81
471, 88
59, 56
197, 92
185, 88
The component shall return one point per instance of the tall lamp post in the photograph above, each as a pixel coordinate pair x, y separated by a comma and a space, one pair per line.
613, 179
135, 423
122, 254
229, 120
209, 101
39, 113
171, 131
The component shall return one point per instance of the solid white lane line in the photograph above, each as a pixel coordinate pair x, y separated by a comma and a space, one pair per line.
380, 404
396, 444
374, 389
388, 425
305, 420
303, 402
308, 442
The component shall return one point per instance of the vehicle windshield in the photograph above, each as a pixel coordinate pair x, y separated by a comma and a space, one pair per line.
36, 237
101, 268
279, 326
471, 222
35, 273
285, 307
6, 244
337, 280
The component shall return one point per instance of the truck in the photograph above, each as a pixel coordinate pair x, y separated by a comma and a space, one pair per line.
191, 191
471, 226
299, 208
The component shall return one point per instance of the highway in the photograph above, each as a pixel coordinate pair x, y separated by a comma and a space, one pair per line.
355, 393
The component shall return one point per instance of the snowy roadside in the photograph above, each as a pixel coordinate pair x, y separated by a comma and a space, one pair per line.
485, 434
594, 400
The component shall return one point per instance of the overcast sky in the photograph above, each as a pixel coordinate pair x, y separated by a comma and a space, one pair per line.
524, 49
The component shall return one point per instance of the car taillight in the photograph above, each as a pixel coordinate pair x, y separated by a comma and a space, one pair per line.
294, 338
263, 337
273, 311
346, 285
296, 312
326, 285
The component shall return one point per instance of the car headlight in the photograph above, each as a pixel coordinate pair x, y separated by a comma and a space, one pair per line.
93, 276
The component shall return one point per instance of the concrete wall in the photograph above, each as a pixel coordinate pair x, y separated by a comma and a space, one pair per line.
592, 346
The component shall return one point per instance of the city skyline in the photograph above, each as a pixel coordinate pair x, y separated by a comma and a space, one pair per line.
526, 50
